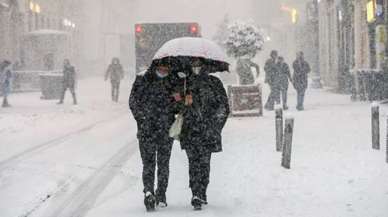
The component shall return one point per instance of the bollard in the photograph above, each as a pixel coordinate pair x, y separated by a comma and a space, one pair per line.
287, 148
387, 143
279, 128
375, 126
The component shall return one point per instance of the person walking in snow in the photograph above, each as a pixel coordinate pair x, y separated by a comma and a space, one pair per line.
300, 79
5, 81
205, 114
272, 79
151, 103
116, 73
69, 81
284, 78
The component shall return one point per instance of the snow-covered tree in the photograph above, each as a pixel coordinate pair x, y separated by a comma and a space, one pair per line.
244, 39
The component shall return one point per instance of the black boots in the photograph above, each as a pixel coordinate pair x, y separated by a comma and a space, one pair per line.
149, 201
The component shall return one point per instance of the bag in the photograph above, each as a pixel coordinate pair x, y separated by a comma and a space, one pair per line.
176, 127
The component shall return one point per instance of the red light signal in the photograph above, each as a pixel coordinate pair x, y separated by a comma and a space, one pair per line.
194, 28
138, 29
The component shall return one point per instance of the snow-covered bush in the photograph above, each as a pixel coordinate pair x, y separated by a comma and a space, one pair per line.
244, 40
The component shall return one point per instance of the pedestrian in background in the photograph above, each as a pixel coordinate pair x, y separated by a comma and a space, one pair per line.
284, 78
69, 81
116, 73
272, 79
5, 81
300, 78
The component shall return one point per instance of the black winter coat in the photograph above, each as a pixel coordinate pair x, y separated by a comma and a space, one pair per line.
271, 72
284, 74
69, 76
152, 106
205, 119
300, 77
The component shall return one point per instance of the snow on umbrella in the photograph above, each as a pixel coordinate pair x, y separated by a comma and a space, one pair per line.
194, 47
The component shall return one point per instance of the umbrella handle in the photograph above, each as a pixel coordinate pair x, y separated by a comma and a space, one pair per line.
185, 87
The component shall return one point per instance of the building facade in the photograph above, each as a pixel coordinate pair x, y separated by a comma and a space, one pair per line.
39, 34
352, 38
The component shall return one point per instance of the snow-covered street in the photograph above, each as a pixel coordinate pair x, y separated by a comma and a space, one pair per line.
84, 161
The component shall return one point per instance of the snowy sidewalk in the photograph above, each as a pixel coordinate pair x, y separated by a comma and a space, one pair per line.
91, 165
334, 170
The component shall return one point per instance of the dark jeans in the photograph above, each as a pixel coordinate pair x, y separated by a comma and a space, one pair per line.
300, 99
72, 90
199, 169
155, 153
274, 97
115, 90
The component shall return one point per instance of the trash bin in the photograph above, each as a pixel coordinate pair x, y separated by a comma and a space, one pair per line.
51, 85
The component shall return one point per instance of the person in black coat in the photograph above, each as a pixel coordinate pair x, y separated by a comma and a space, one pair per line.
151, 103
300, 79
69, 81
271, 78
284, 78
205, 114
5, 81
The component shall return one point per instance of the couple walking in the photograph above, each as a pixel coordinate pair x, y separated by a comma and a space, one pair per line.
277, 76
200, 99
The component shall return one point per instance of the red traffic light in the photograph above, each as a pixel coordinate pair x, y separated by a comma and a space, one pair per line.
194, 28
138, 28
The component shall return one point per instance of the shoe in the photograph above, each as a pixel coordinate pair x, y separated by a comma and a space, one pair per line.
161, 200
60, 103
149, 201
197, 202
285, 107
204, 199
300, 108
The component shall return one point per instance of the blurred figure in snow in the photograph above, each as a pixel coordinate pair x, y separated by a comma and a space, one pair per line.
5, 81
272, 79
69, 81
300, 78
284, 78
116, 73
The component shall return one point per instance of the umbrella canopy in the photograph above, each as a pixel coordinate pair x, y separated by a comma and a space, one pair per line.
194, 47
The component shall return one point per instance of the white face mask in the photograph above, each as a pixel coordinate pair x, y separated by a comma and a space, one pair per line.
160, 75
197, 70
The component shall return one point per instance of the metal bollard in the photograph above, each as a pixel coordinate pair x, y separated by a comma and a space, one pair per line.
375, 126
287, 148
279, 128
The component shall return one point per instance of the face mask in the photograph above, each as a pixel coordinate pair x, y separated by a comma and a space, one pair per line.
197, 70
160, 75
